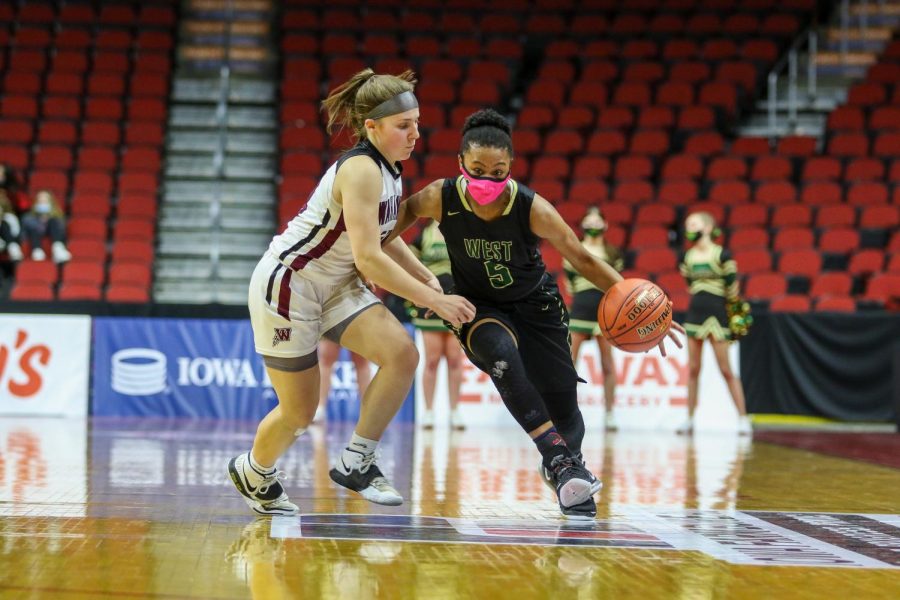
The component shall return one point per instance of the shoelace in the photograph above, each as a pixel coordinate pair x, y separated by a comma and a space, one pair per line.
270, 480
367, 461
562, 464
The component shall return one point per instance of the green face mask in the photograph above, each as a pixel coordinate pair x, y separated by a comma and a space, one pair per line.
593, 232
692, 236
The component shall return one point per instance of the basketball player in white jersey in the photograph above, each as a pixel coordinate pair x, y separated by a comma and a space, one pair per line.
308, 286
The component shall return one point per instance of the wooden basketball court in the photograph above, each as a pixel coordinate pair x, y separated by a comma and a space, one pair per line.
106, 509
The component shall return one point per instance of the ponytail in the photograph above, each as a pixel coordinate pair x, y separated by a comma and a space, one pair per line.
349, 103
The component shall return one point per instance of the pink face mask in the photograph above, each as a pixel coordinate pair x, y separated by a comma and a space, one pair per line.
484, 189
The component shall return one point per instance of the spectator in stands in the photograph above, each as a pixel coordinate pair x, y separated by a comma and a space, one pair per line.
586, 300
711, 274
9, 183
438, 340
9, 229
329, 352
46, 220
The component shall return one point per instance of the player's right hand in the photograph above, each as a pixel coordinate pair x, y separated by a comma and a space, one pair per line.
456, 310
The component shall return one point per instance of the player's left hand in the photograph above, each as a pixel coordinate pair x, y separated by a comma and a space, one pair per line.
671, 335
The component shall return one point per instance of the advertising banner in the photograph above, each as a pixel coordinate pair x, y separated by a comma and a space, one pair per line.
44, 364
651, 391
201, 368
178, 368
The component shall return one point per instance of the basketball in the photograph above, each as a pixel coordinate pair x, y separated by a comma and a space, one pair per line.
634, 315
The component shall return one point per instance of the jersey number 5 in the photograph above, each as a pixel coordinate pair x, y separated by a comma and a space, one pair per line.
498, 274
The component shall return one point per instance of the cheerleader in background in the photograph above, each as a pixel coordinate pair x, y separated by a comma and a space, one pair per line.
431, 248
711, 274
585, 301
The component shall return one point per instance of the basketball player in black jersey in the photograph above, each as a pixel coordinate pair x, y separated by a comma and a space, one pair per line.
519, 336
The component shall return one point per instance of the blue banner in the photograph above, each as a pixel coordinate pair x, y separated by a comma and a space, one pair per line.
200, 368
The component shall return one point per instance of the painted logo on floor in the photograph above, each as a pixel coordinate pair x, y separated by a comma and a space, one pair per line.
748, 538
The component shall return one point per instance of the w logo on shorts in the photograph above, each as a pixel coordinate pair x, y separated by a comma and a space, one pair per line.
282, 334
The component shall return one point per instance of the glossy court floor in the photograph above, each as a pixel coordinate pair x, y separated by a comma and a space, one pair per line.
125, 509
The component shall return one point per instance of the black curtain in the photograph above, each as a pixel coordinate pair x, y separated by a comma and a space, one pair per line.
831, 365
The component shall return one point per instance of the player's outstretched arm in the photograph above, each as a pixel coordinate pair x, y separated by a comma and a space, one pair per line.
358, 187
547, 224
426, 203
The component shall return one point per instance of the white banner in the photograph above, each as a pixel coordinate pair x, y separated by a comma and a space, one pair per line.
44, 364
651, 392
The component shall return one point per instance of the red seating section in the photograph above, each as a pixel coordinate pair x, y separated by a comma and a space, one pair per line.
83, 95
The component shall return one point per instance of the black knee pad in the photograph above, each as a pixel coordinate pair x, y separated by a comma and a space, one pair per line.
497, 355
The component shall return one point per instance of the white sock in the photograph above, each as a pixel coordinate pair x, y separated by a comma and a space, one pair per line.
357, 448
256, 469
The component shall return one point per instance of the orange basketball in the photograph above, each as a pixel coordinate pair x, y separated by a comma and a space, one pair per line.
634, 315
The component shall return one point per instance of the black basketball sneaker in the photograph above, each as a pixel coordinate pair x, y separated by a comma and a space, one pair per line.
363, 475
264, 497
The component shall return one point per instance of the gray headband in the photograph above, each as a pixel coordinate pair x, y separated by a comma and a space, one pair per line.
402, 102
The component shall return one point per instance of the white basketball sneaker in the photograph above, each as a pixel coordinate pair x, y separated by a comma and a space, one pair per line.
745, 427
363, 475
262, 492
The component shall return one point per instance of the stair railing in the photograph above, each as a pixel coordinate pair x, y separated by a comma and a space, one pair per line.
807, 40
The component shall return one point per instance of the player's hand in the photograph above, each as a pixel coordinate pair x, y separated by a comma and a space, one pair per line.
671, 335
453, 309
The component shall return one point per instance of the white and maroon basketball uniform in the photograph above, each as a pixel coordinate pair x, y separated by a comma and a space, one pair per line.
307, 284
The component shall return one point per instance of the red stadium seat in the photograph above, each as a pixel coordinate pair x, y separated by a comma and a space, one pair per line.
682, 166
887, 145
885, 117
718, 49
726, 167
638, 50
866, 262
729, 192
57, 132
838, 215
753, 261
680, 50
678, 192
831, 284
587, 167
651, 142
633, 167
797, 145
566, 142
633, 192
751, 146
867, 193
846, 145
821, 193
749, 238
704, 144
654, 117
103, 133
655, 260
880, 217
655, 214
836, 304
615, 117
589, 93
129, 294
794, 215
606, 143
793, 238
675, 93
791, 303
807, 263
839, 241
130, 274
765, 286
96, 158
92, 183
88, 204
86, 227
720, 94
845, 118
866, 95
768, 168
864, 169
883, 287
775, 192
23, 292
672, 283
748, 215
37, 272
78, 292
649, 236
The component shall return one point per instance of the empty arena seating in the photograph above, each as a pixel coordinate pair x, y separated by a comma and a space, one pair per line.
83, 102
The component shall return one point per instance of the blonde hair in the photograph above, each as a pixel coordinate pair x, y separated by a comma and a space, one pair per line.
349, 103
706, 217
55, 210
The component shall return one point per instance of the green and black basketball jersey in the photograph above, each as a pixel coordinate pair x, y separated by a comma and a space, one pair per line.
498, 261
